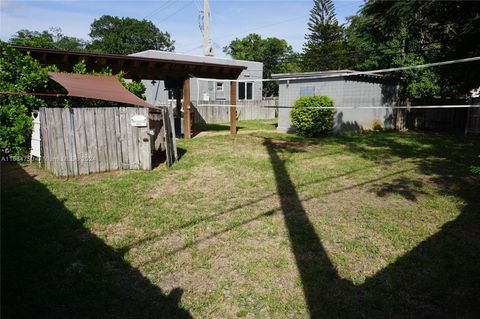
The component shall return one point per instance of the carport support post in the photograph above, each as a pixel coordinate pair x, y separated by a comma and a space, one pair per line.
233, 108
186, 108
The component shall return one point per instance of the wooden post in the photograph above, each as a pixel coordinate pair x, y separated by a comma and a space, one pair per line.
186, 108
178, 100
233, 108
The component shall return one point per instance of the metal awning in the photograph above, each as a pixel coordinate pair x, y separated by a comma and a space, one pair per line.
98, 87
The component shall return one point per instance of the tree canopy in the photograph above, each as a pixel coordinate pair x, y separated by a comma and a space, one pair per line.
325, 47
275, 54
127, 35
52, 38
401, 33
19, 73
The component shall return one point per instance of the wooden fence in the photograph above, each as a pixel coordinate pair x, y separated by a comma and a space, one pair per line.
80, 141
437, 119
214, 112
473, 119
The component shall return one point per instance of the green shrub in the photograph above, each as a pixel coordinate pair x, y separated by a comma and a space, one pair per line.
475, 170
22, 73
16, 127
19, 73
313, 115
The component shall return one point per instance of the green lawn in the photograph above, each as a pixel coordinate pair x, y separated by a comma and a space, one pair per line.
263, 225
242, 126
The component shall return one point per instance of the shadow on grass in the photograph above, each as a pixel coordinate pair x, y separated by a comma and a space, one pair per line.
236, 208
404, 186
439, 278
53, 267
214, 127
158, 158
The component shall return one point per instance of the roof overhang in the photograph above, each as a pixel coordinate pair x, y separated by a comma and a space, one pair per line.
135, 67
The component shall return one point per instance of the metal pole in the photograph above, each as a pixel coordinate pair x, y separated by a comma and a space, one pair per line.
186, 108
233, 108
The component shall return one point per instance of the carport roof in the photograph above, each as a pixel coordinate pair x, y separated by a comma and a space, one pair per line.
135, 67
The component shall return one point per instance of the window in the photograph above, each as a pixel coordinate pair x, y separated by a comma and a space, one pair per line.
210, 86
219, 86
249, 90
245, 90
171, 95
241, 90
307, 91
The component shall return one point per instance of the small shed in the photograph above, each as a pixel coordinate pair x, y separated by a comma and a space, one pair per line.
354, 97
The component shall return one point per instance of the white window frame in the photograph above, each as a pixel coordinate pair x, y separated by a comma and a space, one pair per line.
222, 86
246, 90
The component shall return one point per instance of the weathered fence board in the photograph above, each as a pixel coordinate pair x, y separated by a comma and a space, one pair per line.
81, 141
60, 141
91, 140
45, 142
111, 136
156, 124
169, 129
205, 112
118, 136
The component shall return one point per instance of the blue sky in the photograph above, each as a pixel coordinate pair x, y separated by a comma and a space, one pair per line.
229, 19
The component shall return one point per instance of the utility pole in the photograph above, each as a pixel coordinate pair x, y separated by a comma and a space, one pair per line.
207, 48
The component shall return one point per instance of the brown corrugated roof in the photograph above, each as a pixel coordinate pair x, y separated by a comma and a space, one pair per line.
98, 87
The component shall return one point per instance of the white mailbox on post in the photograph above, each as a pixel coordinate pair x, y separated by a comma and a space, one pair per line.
138, 120
36, 138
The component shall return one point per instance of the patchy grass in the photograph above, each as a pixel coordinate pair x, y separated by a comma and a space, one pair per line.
259, 226
241, 126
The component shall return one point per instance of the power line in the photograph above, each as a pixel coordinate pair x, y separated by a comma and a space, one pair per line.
373, 107
300, 58
269, 25
403, 68
32, 93
161, 7
250, 29
450, 106
264, 26
174, 13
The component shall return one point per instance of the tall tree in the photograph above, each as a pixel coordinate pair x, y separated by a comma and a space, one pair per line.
52, 38
127, 35
325, 47
276, 55
401, 33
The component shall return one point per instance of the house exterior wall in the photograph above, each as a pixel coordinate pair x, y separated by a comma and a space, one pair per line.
346, 92
202, 91
156, 93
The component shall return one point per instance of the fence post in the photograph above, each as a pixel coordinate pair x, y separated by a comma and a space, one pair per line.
186, 108
233, 108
